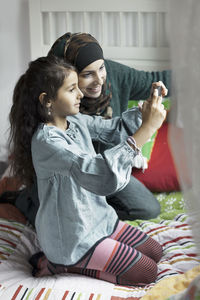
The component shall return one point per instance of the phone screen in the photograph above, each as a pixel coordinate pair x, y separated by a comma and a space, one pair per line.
159, 88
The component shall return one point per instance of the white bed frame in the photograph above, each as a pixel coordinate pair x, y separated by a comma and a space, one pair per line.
132, 32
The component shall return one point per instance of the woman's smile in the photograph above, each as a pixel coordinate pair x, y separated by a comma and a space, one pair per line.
95, 89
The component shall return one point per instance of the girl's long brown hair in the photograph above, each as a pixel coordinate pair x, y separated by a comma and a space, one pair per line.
44, 75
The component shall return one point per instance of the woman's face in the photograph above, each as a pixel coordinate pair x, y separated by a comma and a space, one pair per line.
92, 78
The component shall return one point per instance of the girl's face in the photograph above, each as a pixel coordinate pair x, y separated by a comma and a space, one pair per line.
92, 78
68, 98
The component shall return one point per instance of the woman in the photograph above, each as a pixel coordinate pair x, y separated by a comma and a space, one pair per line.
107, 87
118, 82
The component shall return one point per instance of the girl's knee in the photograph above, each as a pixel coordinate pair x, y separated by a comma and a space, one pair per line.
151, 273
155, 251
143, 272
158, 253
148, 271
151, 248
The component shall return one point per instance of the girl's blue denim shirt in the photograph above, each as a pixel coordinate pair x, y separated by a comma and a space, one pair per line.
73, 181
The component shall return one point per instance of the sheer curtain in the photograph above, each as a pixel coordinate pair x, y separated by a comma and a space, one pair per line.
184, 36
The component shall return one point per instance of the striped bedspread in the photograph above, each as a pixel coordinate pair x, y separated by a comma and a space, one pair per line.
18, 242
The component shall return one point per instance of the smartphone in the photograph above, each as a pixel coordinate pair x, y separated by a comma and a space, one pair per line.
159, 88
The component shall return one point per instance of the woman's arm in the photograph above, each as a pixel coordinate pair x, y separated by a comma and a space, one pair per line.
131, 84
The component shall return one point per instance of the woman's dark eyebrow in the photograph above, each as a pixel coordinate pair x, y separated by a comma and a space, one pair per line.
85, 72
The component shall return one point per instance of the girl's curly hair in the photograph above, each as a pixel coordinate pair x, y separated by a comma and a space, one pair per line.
44, 75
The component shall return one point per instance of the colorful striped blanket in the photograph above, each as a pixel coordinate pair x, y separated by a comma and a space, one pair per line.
18, 242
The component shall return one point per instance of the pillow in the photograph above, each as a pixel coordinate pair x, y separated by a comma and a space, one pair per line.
160, 176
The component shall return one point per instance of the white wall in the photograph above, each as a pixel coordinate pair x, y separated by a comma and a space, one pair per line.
14, 57
132, 32
15, 54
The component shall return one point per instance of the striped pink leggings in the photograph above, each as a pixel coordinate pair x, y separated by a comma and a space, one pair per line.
127, 257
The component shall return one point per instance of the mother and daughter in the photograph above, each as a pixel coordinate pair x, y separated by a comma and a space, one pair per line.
107, 86
52, 141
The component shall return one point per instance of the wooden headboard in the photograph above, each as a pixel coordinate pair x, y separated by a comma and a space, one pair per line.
132, 32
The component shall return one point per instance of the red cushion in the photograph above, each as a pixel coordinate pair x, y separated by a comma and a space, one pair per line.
161, 174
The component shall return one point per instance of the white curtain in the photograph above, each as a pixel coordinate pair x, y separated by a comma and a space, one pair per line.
184, 36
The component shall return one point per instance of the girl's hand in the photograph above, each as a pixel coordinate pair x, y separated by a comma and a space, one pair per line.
153, 115
153, 111
155, 85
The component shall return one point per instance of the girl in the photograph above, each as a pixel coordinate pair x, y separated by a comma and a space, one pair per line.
77, 230
106, 86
